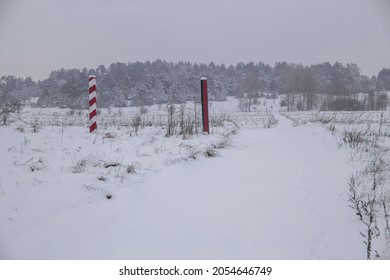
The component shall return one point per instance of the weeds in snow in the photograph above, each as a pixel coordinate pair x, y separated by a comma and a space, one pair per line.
270, 121
210, 152
35, 126
80, 166
40, 164
131, 168
102, 178
354, 137
21, 128
92, 188
365, 134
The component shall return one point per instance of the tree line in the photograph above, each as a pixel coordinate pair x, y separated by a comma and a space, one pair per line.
323, 86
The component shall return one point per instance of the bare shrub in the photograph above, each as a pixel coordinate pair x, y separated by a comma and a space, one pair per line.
21, 128
25, 144
37, 165
92, 188
71, 112
108, 135
220, 120
35, 125
186, 121
367, 197
143, 110
354, 197
159, 147
131, 168
210, 152
196, 113
354, 137
102, 178
192, 152
171, 122
79, 166
223, 143
187, 127
269, 121
364, 202
5, 113
332, 128
136, 122
111, 164
369, 220
244, 104
325, 119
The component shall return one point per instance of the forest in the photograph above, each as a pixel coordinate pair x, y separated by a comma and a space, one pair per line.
323, 86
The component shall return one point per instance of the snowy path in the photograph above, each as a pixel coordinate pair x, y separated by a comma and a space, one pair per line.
276, 194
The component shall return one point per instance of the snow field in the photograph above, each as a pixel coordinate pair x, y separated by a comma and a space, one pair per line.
155, 115
278, 193
52, 166
366, 136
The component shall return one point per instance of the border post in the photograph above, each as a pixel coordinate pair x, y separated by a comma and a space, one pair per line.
92, 104
205, 105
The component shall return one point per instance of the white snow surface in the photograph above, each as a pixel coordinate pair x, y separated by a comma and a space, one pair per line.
278, 193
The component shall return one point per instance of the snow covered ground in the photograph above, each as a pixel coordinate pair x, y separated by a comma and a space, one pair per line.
278, 193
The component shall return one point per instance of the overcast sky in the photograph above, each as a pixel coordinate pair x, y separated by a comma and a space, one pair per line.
38, 36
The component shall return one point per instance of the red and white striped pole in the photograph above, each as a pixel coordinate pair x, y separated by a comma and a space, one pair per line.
92, 104
205, 105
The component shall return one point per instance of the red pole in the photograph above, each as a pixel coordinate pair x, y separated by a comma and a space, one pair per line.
205, 105
92, 104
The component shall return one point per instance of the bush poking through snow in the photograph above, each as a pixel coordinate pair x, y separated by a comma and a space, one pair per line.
102, 178
131, 169
385, 205
368, 196
171, 120
92, 188
363, 196
332, 128
223, 143
111, 164
79, 166
21, 128
211, 152
353, 137
353, 197
35, 126
136, 123
270, 121
38, 165
5, 112
108, 135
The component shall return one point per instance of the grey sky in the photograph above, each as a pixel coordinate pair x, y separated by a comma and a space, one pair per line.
38, 36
